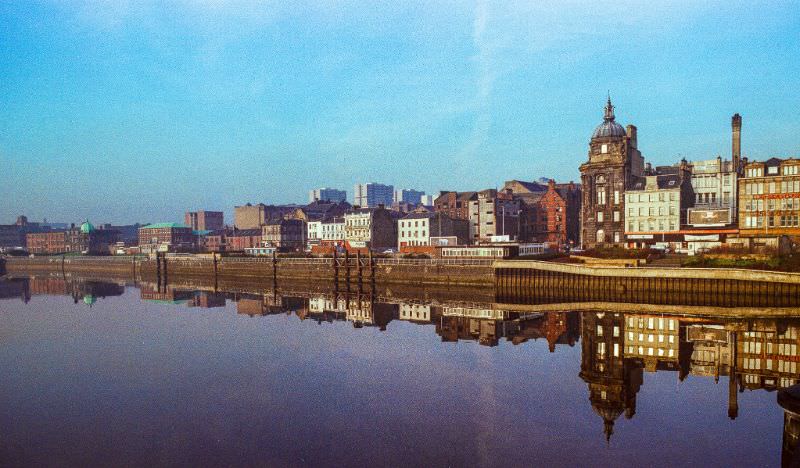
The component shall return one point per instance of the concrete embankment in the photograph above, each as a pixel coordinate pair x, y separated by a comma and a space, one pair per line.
384, 271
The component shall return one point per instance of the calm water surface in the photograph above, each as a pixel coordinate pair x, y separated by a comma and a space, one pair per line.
105, 374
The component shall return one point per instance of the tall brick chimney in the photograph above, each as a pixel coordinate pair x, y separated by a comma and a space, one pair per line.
736, 143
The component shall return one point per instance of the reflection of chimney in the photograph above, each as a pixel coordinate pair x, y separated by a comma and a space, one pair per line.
736, 143
733, 401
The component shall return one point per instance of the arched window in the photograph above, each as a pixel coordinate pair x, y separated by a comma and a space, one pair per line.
601, 235
601, 179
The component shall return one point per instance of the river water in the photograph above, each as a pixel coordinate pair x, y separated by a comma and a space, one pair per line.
97, 373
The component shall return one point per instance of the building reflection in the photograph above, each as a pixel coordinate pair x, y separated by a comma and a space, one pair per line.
613, 380
86, 291
618, 349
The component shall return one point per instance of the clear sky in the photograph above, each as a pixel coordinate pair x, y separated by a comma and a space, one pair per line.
126, 111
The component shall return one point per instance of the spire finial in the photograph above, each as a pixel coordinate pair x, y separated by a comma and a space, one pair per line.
609, 115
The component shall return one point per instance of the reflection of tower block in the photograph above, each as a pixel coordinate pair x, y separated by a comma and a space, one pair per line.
613, 380
789, 399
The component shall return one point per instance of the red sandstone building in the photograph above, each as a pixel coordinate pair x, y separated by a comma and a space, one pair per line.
550, 213
241, 239
84, 240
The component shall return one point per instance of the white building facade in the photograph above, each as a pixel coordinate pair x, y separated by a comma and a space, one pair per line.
413, 231
653, 211
332, 231
714, 183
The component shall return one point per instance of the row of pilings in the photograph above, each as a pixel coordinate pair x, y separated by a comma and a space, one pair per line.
344, 269
533, 286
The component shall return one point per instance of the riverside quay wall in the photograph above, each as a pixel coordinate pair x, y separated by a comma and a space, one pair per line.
411, 272
515, 282
536, 283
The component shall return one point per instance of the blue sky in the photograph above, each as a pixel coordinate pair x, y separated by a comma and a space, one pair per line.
138, 111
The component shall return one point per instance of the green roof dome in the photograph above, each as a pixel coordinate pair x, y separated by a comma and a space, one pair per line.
87, 227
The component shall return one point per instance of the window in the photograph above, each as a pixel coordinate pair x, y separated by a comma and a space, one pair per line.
616, 197
601, 195
599, 216
616, 237
601, 235
616, 216
604, 148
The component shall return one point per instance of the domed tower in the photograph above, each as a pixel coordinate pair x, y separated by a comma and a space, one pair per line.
614, 164
87, 227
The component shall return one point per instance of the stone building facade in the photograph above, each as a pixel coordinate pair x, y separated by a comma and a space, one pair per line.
417, 229
373, 228
494, 213
205, 220
614, 164
167, 237
454, 204
85, 239
769, 199
550, 213
288, 235
657, 206
254, 216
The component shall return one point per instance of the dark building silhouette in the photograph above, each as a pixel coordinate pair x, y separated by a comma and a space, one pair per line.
613, 380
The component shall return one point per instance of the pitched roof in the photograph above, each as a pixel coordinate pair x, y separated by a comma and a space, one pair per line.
419, 215
529, 186
245, 233
529, 198
665, 182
